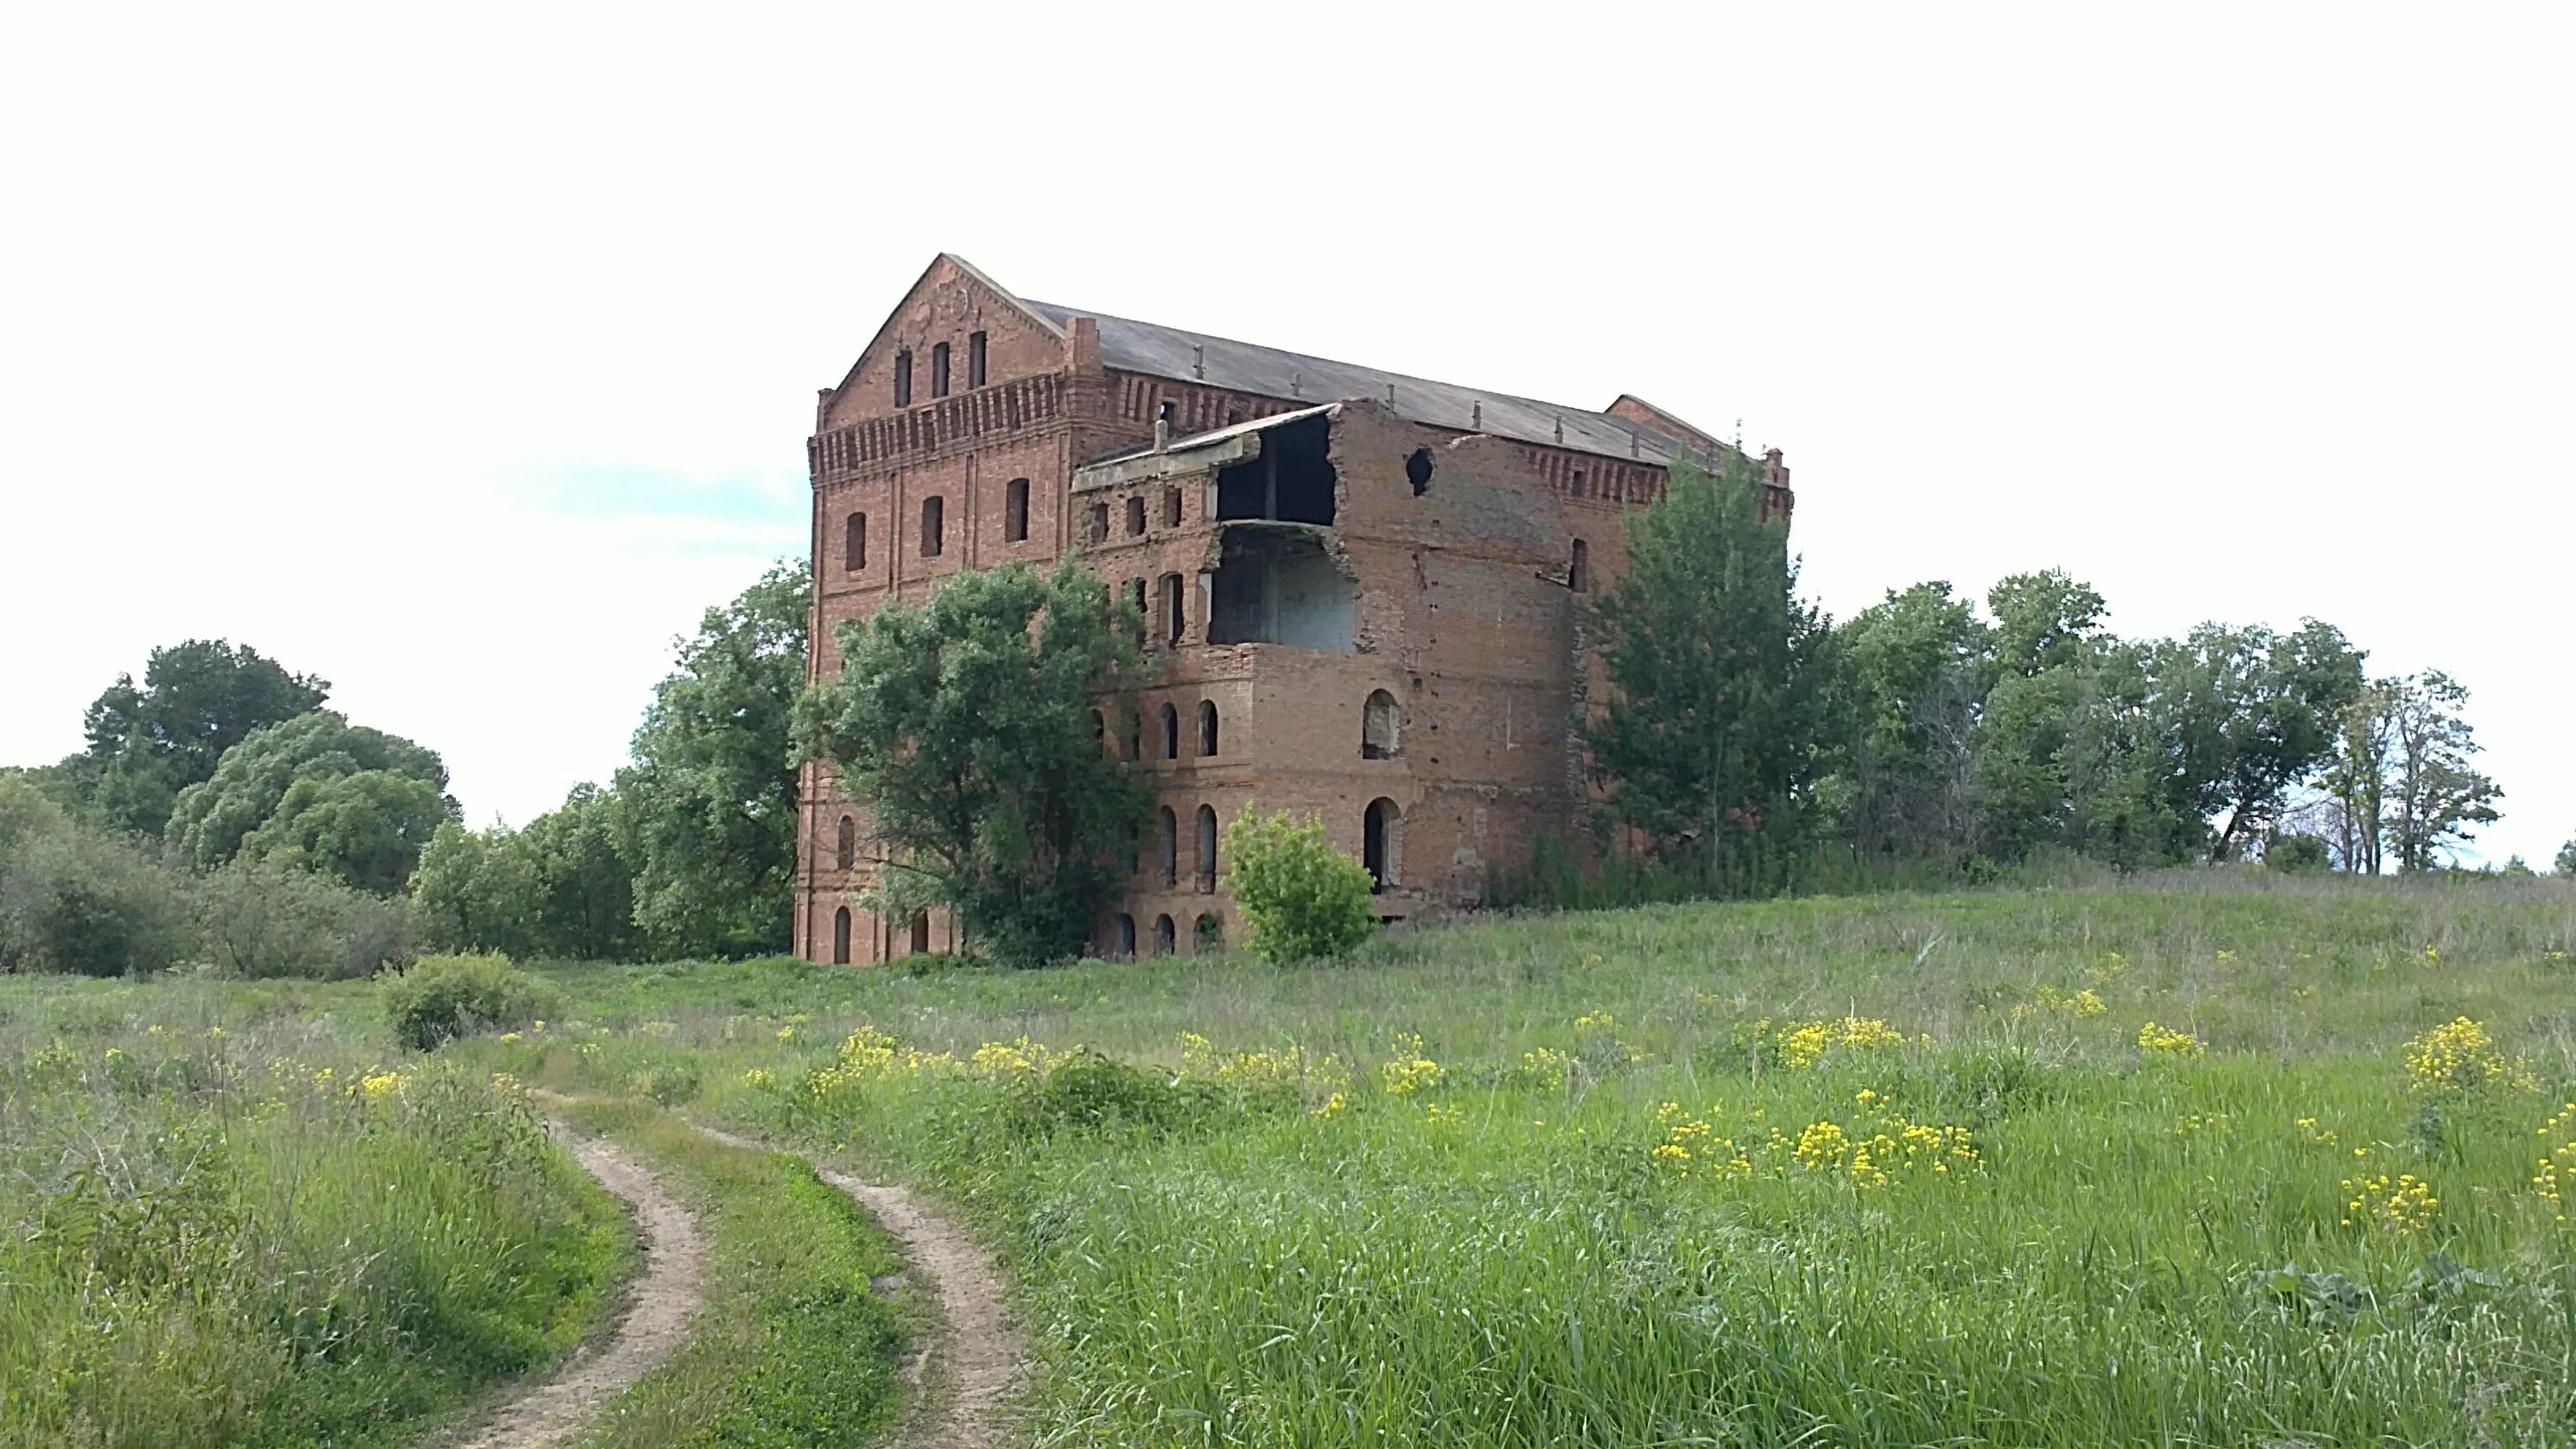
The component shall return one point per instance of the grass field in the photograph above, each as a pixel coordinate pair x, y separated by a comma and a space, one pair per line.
2144, 1164
234, 1219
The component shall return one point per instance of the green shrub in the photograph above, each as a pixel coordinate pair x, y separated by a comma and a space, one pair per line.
89, 905
1299, 896
257, 920
2296, 855
443, 997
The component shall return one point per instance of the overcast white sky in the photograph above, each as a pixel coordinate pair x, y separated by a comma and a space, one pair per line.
462, 355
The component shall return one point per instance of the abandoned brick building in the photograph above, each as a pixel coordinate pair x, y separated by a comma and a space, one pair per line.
1360, 588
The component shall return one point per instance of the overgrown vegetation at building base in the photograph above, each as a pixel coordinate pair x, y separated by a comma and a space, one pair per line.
1890, 1170
228, 1225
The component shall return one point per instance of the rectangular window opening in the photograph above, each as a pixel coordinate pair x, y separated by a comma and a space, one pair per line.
1015, 508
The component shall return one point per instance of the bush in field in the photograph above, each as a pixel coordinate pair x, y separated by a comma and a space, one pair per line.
1299, 896
256, 920
73, 900
2297, 855
443, 997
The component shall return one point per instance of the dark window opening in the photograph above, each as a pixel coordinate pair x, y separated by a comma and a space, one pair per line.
1015, 507
1171, 733
1171, 508
1096, 523
1099, 725
1210, 935
1135, 516
903, 379
1136, 601
854, 543
1578, 570
1379, 723
1164, 936
934, 526
921, 933
841, 937
1377, 844
975, 360
939, 370
1207, 727
1173, 618
1278, 586
1135, 734
1291, 481
1578, 490
1417, 471
1171, 847
1207, 849
1126, 946
845, 849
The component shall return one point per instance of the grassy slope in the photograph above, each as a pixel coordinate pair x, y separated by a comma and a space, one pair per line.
220, 1234
1516, 1269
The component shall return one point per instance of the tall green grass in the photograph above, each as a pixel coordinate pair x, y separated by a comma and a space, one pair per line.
2150, 1247
231, 1223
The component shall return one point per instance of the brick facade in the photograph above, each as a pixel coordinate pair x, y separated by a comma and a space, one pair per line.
1373, 591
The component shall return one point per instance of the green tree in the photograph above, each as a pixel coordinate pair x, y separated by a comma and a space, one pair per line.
1300, 898
211, 819
584, 888
197, 700
1917, 666
1719, 715
2044, 621
2567, 857
967, 725
706, 814
477, 890
2248, 714
2435, 799
364, 830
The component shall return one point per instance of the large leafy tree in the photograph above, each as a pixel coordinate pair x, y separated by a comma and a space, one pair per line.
2250, 713
1721, 694
2435, 797
1917, 666
2566, 864
364, 829
706, 814
198, 699
966, 724
212, 818
558, 887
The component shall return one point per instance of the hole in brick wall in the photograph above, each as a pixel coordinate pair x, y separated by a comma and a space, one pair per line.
1171, 847
1417, 471
1171, 508
1164, 941
1578, 569
1125, 937
1015, 508
1135, 516
1291, 481
1279, 587
975, 360
1171, 733
934, 526
1379, 843
939, 370
1096, 523
903, 379
1210, 935
921, 933
854, 543
845, 845
1380, 724
841, 936
1173, 618
1207, 847
1136, 601
1207, 727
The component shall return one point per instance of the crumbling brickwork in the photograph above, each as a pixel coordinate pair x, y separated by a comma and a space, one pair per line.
1362, 591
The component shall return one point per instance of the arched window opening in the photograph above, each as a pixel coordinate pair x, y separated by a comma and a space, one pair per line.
1207, 727
975, 359
1099, 726
934, 526
939, 370
1417, 471
841, 937
921, 933
854, 543
1126, 943
1379, 723
845, 849
1207, 849
1165, 938
1578, 571
1210, 935
1171, 719
903, 379
1135, 734
1135, 515
1172, 620
1378, 844
1015, 508
1171, 856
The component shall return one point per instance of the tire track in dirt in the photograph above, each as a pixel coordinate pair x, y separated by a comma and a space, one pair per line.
969, 1376
655, 1320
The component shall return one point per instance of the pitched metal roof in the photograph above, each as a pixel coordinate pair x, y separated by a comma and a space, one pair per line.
1159, 351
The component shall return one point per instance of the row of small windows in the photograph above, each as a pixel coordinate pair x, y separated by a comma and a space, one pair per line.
934, 526
841, 935
975, 370
1209, 933
1203, 859
1096, 522
1170, 720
